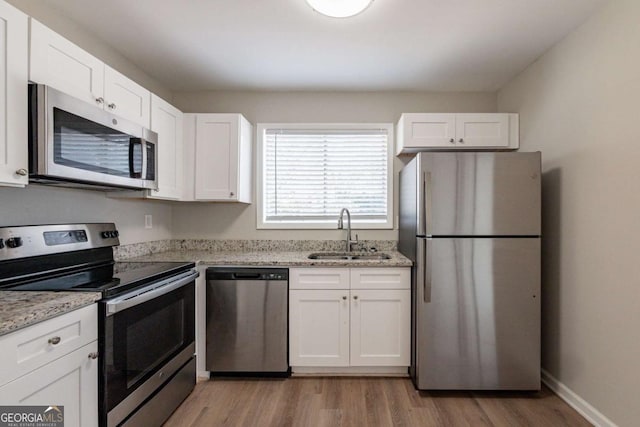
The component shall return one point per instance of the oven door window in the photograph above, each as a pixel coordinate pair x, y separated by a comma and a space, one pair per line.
82, 144
141, 339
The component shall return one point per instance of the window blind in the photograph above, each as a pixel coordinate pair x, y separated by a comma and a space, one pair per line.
309, 175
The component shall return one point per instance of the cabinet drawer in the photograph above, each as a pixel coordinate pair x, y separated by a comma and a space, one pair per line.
380, 278
30, 348
318, 278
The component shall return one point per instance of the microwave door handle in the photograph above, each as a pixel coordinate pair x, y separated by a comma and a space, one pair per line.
132, 164
143, 148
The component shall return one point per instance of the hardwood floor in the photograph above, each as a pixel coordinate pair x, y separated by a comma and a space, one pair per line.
363, 402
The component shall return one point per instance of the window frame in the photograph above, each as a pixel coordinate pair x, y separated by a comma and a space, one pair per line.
261, 128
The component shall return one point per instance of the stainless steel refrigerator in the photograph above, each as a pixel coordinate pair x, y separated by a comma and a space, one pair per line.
471, 224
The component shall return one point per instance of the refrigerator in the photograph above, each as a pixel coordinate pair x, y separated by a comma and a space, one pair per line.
471, 222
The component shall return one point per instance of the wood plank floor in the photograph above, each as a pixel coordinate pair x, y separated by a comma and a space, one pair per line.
363, 402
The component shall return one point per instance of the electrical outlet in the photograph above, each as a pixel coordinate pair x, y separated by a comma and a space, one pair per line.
148, 221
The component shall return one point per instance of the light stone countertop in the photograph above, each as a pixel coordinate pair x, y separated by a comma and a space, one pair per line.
19, 309
270, 258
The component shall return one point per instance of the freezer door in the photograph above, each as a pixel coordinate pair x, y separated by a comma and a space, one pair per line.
479, 194
477, 314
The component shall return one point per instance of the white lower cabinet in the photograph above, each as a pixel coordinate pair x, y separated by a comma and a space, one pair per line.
54, 363
348, 326
380, 327
71, 381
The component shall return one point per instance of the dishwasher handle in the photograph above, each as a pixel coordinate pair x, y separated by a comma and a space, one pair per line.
241, 276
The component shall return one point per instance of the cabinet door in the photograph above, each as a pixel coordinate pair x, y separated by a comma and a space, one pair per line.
57, 62
216, 153
13, 96
422, 131
482, 130
380, 327
71, 381
319, 328
126, 98
167, 122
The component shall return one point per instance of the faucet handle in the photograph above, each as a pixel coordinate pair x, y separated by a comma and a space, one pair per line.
340, 226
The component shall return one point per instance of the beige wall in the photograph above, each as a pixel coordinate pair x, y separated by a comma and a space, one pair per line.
84, 38
579, 105
39, 204
224, 220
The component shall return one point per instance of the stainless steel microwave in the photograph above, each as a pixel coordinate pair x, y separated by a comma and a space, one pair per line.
75, 144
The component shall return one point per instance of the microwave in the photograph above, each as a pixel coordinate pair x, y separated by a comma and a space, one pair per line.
76, 144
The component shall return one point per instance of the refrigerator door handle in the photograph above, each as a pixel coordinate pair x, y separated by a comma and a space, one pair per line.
427, 271
423, 270
424, 205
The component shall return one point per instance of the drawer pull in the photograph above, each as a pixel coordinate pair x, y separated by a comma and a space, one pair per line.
54, 340
93, 355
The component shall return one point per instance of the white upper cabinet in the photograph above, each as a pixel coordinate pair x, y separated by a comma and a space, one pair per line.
126, 98
57, 62
13, 96
220, 145
488, 131
167, 122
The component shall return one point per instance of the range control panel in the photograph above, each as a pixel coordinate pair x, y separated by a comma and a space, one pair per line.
34, 240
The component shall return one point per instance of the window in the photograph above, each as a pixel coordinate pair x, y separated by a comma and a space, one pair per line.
309, 172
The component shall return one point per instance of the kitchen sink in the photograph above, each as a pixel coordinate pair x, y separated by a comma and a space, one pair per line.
349, 256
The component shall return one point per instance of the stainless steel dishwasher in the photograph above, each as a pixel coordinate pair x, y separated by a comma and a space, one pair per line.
247, 321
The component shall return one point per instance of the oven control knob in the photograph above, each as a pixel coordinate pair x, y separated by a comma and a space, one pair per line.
116, 233
105, 235
1, 244
14, 242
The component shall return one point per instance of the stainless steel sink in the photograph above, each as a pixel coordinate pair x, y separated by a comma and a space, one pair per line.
349, 256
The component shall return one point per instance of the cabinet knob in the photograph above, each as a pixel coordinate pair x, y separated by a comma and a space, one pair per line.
54, 340
231, 194
93, 355
355, 297
344, 297
461, 141
453, 141
100, 100
111, 106
22, 172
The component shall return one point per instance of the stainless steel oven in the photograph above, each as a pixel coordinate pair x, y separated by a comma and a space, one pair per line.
75, 144
149, 339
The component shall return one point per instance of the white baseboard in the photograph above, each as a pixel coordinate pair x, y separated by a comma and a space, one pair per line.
592, 415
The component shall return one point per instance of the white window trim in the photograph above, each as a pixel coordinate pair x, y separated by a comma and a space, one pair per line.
289, 225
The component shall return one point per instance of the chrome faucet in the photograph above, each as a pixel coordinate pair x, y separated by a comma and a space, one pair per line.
348, 241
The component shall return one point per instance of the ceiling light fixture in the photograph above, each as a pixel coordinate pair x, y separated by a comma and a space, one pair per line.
339, 8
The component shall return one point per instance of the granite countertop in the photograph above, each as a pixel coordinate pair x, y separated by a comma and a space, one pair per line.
19, 309
269, 258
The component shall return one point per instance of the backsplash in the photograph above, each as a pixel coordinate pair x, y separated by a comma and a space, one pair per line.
148, 248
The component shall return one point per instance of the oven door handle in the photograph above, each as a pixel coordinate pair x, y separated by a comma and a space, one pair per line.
150, 292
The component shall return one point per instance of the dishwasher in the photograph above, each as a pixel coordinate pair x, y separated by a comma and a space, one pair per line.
247, 321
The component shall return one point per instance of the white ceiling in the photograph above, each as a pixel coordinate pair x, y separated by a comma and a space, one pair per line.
441, 45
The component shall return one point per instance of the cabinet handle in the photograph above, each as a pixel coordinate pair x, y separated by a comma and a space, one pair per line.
22, 172
93, 355
344, 298
231, 194
461, 141
453, 141
54, 340
100, 100
112, 106
355, 297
